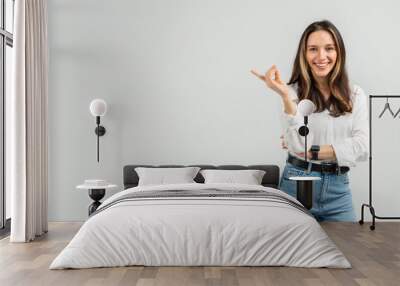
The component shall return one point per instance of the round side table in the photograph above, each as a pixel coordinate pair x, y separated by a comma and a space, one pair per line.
305, 190
96, 193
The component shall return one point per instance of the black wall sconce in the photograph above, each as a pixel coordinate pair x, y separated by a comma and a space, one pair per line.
98, 108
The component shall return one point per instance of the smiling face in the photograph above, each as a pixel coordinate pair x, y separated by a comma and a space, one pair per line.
321, 54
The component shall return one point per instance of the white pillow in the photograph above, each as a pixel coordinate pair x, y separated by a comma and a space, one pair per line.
248, 177
164, 176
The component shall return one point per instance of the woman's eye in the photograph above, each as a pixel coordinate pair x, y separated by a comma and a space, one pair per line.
312, 49
330, 49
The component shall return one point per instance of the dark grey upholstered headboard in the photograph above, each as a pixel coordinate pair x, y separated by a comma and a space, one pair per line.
270, 179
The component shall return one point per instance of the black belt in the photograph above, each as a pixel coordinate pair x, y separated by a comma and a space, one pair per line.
323, 167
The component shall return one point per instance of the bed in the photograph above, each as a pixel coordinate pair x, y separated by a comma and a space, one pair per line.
201, 224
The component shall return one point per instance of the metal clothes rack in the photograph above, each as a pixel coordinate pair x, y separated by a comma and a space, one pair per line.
369, 205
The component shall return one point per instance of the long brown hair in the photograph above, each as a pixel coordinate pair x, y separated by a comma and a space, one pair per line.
339, 102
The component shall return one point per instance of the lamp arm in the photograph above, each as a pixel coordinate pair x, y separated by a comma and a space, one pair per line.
305, 148
305, 138
98, 144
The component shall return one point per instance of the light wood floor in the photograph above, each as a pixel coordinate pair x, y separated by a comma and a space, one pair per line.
375, 256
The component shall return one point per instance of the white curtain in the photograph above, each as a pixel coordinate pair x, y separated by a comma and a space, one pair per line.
27, 122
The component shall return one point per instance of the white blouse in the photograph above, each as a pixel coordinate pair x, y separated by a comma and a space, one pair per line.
348, 134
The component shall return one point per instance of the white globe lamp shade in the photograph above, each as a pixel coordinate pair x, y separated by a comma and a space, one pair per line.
306, 107
98, 107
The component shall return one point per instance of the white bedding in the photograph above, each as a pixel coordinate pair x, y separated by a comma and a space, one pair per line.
200, 231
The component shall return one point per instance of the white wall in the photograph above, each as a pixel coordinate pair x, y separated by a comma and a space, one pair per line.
176, 77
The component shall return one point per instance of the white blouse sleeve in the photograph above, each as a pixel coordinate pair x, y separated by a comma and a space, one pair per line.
355, 148
291, 124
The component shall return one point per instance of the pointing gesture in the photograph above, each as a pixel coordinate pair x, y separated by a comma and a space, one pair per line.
272, 79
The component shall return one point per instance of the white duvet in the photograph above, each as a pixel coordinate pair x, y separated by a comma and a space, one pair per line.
200, 231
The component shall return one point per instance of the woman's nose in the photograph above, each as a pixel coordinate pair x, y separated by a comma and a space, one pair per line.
321, 54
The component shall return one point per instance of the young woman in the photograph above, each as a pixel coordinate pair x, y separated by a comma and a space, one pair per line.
338, 135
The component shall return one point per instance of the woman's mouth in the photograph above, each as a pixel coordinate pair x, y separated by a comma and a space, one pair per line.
321, 65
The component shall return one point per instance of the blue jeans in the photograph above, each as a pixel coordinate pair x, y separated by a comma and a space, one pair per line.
332, 200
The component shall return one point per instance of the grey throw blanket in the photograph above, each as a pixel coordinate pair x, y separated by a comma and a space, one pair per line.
206, 194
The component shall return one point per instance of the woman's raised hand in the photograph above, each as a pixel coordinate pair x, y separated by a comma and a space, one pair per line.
272, 79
